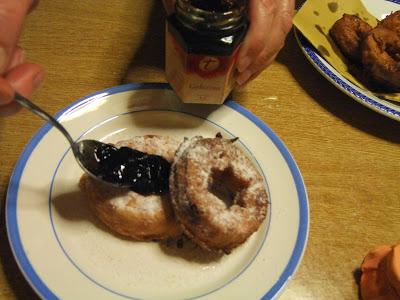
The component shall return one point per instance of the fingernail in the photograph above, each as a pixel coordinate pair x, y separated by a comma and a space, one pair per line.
3, 60
38, 80
243, 77
243, 64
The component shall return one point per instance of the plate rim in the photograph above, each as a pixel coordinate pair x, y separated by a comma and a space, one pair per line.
13, 234
340, 82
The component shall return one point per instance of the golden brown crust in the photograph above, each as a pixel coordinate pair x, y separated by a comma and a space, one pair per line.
218, 195
381, 57
348, 33
392, 22
377, 50
129, 213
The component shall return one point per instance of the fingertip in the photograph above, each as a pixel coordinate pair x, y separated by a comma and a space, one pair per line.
243, 63
26, 78
243, 77
243, 82
240, 87
38, 79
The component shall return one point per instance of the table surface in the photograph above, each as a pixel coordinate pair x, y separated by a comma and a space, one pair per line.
348, 154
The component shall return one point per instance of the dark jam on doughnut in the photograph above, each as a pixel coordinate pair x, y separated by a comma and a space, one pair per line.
144, 173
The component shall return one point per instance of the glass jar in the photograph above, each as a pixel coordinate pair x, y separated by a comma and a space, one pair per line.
202, 42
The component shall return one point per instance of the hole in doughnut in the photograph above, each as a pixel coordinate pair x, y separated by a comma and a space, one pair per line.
226, 186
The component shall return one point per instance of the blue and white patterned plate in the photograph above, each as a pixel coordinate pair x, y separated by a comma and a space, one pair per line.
378, 8
65, 253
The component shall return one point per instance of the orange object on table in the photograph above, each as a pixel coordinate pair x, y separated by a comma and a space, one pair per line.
380, 277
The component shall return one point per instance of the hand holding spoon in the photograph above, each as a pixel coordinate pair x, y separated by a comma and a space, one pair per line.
121, 167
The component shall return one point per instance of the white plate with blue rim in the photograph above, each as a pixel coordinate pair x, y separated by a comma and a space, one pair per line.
391, 109
64, 252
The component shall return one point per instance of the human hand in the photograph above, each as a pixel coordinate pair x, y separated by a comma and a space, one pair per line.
15, 74
270, 22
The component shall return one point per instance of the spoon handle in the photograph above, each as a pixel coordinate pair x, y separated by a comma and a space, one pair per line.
44, 115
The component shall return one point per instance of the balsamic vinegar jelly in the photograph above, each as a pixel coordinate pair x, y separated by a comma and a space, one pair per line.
202, 43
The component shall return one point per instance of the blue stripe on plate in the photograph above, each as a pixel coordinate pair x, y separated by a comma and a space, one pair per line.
302, 235
345, 86
12, 223
12, 194
131, 297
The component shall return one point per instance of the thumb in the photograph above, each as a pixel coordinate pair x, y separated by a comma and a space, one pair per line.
12, 14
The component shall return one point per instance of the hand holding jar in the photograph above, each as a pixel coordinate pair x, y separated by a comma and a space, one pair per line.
270, 22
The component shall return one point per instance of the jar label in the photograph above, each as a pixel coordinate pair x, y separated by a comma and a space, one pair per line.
199, 78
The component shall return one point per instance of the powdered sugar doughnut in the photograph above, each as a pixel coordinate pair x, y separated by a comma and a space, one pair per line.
142, 217
218, 195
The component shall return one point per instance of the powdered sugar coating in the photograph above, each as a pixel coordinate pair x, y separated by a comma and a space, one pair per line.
130, 213
207, 173
135, 202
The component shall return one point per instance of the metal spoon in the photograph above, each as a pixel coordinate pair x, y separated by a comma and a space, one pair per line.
84, 151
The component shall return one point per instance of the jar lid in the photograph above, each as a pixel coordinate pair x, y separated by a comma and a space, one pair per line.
211, 15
